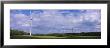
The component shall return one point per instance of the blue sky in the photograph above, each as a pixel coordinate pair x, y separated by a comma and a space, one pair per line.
56, 20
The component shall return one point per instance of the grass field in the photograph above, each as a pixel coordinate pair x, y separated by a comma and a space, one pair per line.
16, 34
47, 37
54, 37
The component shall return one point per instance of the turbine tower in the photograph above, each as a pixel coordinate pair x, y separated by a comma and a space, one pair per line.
30, 24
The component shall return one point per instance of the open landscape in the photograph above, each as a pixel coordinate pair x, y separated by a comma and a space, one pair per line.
55, 24
15, 34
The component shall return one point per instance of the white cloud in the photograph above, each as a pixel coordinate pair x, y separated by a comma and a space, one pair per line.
20, 16
92, 15
54, 19
26, 24
21, 19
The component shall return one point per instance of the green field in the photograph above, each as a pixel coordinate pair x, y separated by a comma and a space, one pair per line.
47, 37
16, 34
54, 37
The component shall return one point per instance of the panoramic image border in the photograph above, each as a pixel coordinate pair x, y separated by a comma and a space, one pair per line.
103, 8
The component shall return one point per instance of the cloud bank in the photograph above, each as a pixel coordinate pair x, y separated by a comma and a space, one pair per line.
57, 21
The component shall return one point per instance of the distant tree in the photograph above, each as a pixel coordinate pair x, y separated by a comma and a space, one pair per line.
17, 32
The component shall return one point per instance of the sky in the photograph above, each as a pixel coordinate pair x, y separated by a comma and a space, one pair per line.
56, 20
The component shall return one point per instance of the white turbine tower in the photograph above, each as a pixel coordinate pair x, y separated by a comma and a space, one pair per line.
30, 24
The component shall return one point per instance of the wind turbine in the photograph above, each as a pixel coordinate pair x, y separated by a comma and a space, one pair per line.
30, 24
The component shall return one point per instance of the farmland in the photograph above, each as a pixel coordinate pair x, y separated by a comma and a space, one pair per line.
54, 37
23, 35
